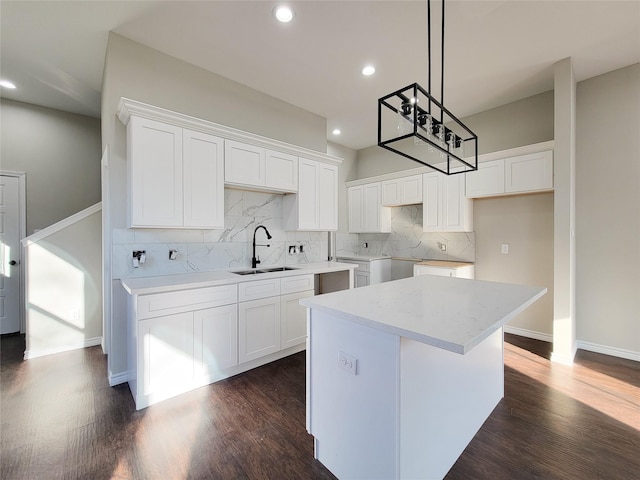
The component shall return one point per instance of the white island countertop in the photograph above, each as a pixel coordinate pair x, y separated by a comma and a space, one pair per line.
184, 281
454, 314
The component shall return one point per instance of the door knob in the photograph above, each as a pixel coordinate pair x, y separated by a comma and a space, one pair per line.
12, 262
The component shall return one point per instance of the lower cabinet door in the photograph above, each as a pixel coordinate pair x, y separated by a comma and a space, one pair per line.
258, 328
293, 325
215, 345
361, 279
167, 351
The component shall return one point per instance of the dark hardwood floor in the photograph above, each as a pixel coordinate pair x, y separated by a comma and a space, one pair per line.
60, 419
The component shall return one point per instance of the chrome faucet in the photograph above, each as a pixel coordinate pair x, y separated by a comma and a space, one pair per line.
255, 260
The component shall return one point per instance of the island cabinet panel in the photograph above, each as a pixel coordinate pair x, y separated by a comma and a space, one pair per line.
445, 398
353, 417
407, 410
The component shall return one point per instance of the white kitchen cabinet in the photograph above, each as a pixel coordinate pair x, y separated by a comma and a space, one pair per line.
256, 167
215, 346
180, 340
402, 191
293, 316
446, 269
258, 328
521, 174
369, 271
166, 356
175, 176
203, 179
445, 206
281, 171
529, 173
315, 206
244, 164
366, 213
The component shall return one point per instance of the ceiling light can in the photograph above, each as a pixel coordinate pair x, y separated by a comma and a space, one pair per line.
283, 13
368, 70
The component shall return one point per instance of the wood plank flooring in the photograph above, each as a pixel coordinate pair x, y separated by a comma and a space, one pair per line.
61, 420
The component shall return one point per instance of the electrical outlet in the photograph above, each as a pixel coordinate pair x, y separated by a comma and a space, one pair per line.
366, 245
442, 246
349, 363
504, 249
301, 248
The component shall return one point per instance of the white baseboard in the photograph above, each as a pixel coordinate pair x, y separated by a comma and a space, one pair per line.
90, 342
118, 378
591, 347
612, 351
545, 337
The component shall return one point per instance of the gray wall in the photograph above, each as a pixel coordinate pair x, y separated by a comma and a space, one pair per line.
59, 152
608, 209
135, 71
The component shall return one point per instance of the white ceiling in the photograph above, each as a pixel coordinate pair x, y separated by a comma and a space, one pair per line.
496, 51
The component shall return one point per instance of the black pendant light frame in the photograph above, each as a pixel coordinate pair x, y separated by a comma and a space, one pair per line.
429, 133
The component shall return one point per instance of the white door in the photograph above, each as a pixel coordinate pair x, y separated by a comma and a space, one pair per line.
9, 255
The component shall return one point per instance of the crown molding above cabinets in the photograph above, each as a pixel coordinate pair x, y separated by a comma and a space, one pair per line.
128, 107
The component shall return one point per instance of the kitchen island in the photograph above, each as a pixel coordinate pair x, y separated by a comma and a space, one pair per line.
401, 375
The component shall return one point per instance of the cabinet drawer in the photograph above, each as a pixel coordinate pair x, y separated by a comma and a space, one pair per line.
258, 289
299, 283
158, 304
363, 267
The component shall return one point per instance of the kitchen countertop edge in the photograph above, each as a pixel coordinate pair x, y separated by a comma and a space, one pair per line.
185, 281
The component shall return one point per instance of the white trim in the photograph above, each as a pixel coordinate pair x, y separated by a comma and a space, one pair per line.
106, 253
522, 332
512, 152
611, 351
128, 107
118, 378
22, 232
62, 224
90, 342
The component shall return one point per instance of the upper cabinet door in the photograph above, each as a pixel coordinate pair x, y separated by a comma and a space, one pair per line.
402, 191
308, 206
487, 180
328, 197
203, 180
155, 173
244, 164
281, 171
529, 173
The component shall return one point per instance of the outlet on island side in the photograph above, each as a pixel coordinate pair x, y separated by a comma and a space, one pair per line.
348, 363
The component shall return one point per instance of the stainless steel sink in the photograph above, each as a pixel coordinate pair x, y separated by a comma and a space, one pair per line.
256, 271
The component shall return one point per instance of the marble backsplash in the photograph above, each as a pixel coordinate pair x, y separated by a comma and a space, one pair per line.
408, 241
206, 250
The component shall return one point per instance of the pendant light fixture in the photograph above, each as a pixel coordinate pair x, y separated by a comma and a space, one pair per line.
413, 123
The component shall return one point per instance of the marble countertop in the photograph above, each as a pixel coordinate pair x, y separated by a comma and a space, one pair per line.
454, 314
184, 281
444, 263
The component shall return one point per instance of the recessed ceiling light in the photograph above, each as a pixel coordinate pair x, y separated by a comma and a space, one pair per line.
368, 70
283, 13
7, 84
336, 131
